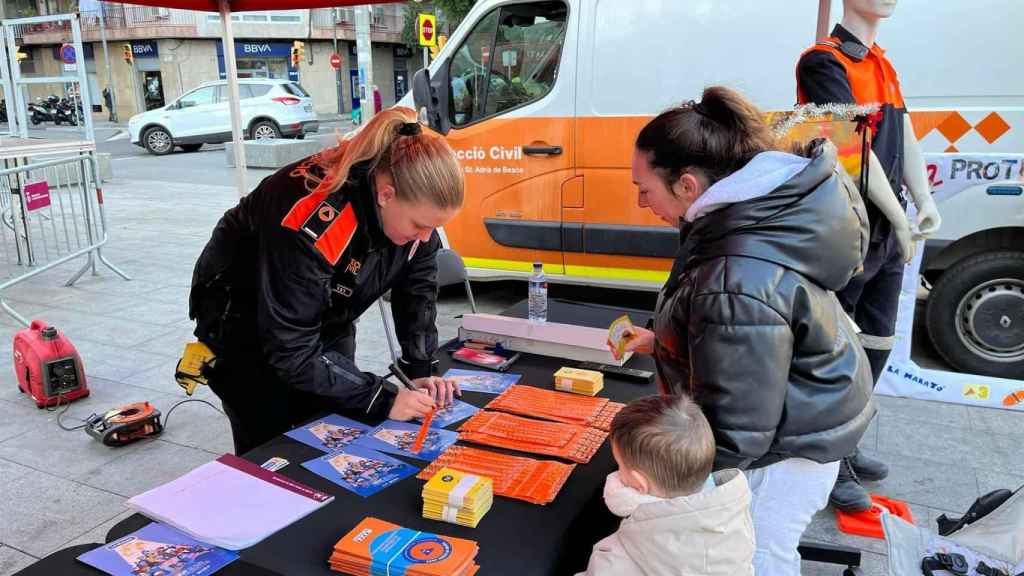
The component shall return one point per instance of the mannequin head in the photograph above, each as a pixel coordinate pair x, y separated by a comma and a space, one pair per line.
869, 9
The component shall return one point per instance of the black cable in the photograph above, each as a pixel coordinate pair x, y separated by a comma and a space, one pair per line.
64, 411
167, 418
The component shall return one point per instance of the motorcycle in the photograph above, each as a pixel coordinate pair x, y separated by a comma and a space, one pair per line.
43, 110
67, 112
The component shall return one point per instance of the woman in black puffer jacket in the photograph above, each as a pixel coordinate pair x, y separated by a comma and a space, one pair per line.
748, 323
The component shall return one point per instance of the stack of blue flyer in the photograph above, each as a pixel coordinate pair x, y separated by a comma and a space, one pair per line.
158, 549
355, 458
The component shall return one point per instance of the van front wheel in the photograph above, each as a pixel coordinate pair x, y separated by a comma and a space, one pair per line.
976, 314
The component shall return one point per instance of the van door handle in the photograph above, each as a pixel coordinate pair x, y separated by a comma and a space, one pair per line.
542, 150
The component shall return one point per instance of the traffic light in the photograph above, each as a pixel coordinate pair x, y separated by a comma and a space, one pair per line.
298, 52
127, 54
436, 49
19, 55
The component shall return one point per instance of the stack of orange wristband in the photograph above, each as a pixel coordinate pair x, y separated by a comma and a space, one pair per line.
569, 441
534, 481
557, 406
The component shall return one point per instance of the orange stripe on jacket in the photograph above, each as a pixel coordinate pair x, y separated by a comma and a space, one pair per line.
333, 242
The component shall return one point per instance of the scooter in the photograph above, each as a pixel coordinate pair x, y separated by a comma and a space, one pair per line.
43, 110
66, 112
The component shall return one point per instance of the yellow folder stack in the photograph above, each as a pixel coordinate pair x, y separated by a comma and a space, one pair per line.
457, 497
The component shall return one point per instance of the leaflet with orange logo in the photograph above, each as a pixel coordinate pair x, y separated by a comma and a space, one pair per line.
378, 547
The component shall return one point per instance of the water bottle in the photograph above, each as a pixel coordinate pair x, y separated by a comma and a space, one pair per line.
538, 298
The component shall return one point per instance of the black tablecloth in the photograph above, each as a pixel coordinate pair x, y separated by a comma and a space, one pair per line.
515, 537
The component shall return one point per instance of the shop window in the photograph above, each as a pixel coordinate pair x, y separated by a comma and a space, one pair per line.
510, 59
285, 18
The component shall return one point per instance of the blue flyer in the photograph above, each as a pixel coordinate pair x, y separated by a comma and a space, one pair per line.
158, 549
457, 412
398, 437
479, 381
361, 470
330, 433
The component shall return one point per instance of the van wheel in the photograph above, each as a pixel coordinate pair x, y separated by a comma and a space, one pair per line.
158, 141
191, 147
264, 130
976, 314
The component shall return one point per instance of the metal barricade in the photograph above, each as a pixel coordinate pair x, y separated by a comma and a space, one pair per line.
51, 212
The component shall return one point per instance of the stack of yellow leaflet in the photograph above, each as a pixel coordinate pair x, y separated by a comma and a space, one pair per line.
579, 381
457, 497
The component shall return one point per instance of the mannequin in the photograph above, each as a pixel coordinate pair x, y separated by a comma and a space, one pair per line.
862, 17
849, 68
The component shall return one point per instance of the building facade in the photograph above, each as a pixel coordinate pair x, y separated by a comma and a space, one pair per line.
176, 50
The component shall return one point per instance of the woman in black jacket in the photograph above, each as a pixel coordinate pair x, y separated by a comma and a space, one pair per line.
286, 273
748, 323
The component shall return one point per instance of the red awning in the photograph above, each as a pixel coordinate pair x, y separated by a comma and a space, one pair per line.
248, 5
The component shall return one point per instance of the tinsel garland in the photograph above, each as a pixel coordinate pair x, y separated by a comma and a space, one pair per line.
806, 112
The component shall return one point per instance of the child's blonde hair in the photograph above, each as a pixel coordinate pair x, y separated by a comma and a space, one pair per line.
422, 165
668, 439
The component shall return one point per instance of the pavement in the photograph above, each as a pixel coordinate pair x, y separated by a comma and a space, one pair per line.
60, 488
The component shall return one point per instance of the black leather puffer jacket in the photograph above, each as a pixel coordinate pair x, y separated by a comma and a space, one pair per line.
749, 325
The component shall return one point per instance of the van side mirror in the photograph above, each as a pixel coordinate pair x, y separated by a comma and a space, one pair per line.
432, 95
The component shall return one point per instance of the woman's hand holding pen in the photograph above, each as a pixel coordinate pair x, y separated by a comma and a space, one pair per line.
443, 391
411, 404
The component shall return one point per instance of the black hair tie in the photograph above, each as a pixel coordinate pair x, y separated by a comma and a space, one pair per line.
410, 129
699, 109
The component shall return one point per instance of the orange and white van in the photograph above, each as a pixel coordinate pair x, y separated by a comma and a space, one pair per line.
542, 100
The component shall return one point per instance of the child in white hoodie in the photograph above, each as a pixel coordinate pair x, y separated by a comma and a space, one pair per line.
678, 518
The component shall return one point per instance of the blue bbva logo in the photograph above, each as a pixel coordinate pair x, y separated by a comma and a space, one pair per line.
256, 48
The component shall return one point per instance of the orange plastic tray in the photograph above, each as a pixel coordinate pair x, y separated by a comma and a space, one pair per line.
557, 406
569, 441
869, 522
535, 481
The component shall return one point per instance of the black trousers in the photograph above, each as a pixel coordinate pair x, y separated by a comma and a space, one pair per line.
259, 405
872, 299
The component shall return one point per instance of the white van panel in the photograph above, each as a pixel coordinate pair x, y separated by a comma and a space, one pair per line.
643, 56
952, 54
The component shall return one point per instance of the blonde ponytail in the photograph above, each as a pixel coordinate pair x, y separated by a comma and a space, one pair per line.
422, 165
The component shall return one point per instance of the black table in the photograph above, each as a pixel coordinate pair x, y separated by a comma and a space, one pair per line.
515, 537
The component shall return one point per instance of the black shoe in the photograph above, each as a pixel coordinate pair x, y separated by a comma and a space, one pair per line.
848, 495
868, 468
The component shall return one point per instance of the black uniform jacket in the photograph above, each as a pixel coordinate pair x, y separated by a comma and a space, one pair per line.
288, 271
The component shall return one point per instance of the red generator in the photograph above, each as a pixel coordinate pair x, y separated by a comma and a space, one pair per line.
48, 366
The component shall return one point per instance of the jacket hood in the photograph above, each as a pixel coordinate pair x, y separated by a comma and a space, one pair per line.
656, 532
808, 223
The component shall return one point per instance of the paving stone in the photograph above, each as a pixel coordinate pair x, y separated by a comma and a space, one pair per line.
169, 345
16, 420
946, 443
134, 473
989, 480
110, 362
12, 560
908, 409
998, 421
65, 454
926, 481
71, 509
99, 533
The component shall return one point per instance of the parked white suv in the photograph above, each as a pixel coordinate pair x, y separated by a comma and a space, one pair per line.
270, 109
